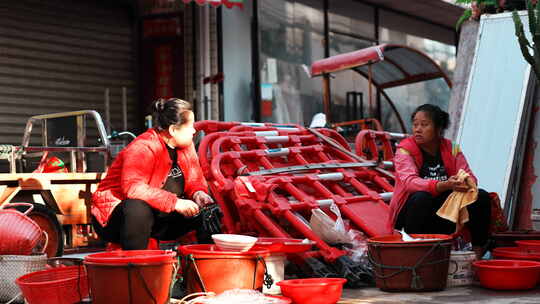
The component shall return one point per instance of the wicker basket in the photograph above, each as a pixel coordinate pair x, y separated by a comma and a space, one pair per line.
14, 266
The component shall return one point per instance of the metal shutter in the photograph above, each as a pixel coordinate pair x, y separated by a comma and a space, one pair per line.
61, 55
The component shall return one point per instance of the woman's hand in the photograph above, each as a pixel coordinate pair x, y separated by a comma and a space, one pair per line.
202, 199
461, 186
443, 186
453, 183
470, 182
186, 207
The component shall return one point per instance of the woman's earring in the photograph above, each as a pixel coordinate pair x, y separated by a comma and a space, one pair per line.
169, 142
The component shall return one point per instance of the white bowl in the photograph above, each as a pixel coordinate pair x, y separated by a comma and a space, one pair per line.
234, 242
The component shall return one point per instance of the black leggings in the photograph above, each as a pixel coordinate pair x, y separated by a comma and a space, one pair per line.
133, 222
419, 215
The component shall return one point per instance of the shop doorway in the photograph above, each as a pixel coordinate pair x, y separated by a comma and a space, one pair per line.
162, 59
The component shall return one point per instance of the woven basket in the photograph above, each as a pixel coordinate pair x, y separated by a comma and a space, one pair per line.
14, 266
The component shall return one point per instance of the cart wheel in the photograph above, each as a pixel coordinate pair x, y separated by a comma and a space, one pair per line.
46, 219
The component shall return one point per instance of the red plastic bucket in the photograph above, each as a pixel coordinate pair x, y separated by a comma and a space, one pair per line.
63, 285
410, 266
206, 268
134, 276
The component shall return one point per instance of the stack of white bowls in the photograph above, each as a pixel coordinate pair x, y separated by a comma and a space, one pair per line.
234, 242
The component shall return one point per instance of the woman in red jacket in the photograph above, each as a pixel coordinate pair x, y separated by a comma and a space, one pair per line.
155, 186
426, 167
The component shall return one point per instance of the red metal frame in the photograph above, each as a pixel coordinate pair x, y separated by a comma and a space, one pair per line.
227, 166
267, 140
363, 124
211, 126
208, 141
369, 143
260, 202
267, 199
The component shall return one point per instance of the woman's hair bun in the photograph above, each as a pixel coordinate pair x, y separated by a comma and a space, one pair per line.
170, 111
159, 105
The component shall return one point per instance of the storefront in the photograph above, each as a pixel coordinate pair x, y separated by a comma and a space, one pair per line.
282, 38
235, 60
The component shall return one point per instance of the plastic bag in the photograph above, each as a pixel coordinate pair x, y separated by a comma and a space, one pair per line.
330, 231
358, 250
233, 296
337, 232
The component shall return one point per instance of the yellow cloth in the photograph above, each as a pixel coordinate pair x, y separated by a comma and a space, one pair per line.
453, 208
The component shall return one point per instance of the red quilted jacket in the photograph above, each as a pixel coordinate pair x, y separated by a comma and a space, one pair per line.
140, 171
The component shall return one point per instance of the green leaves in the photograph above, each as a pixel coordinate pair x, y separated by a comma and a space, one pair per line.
466, 15
524, 44
482, 4
489, 2
532, 18
485, 2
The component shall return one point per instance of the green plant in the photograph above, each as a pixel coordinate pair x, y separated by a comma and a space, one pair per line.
525, 45
477, 7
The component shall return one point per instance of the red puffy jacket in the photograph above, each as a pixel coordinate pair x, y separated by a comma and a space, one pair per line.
140, 171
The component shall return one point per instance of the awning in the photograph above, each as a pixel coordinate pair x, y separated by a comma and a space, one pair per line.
392, 65
227, 3
440, 12
385, 66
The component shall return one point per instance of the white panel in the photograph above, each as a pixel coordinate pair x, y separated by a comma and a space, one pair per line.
494, 105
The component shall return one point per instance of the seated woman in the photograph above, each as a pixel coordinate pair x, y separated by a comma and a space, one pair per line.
155, 186
426, 167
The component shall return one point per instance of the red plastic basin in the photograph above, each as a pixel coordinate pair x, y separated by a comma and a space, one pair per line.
515, 253
529, 245
507, 274
62, 285
313, 291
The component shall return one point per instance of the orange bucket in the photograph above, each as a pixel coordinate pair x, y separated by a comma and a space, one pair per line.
133, 276
206, 268
410, 266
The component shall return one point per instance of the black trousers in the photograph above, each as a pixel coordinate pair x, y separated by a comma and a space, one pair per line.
133, 222
419, 215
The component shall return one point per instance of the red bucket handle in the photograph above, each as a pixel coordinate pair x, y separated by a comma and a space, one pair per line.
30, 206
46, 236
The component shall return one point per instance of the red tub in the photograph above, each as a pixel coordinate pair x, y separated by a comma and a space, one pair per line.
507, 274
